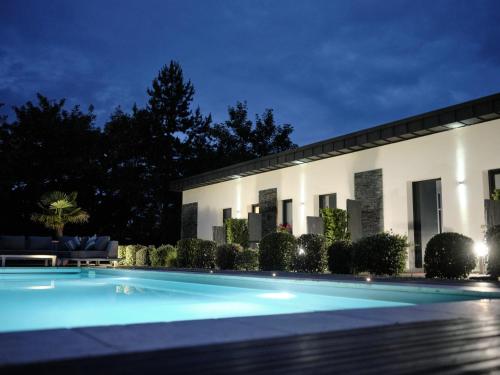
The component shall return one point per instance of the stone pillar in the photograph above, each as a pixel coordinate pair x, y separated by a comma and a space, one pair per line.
254, 227
315, 225
354, 219
219, 234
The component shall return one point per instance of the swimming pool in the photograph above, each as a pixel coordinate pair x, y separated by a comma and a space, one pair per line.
44, 298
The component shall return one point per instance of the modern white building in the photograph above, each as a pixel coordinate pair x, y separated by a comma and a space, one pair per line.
417, 176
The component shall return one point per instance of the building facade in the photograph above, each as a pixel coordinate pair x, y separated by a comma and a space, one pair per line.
418, 176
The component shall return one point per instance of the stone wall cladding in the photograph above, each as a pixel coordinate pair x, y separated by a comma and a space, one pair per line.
268, 200
368, 190
189, 220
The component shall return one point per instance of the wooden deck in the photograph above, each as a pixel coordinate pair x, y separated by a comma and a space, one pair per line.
445, 347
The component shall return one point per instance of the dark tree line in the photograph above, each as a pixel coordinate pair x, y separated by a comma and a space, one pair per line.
122, 172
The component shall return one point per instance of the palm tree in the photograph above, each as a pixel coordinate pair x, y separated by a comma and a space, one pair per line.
59, 209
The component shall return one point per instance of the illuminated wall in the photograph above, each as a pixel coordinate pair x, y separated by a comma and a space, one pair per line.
460, 157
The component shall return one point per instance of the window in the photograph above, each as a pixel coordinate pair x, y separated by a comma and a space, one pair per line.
328, 201
287, 212
494, 180
255, 208
226, 214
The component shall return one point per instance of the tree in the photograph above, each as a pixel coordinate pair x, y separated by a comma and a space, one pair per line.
238, 139
48, 148
59, 209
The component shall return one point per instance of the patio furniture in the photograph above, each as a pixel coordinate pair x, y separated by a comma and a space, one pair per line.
43, 247
46, 258
97, 261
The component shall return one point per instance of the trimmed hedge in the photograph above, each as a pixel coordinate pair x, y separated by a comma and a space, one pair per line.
163, 256
381, 254
122, 251
493, 241
142, 256
449, 255
247, 260
236, 231
276, 251
187, 250
204, 256
310, 254
226, 256
130, 254
335, 224
340, 257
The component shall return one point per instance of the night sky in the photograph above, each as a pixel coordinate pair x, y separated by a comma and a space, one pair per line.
327, 67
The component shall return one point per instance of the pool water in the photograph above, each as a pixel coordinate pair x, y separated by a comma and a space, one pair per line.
44, 298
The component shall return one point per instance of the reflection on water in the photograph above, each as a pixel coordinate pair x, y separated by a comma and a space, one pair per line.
127, 289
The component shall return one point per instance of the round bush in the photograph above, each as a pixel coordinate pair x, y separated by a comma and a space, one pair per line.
380, 254
226, 256
205, 254
142, 257
340, 255
247, 260
494, 254
162, 256
449, 256
310, 254
276, 250
187, 249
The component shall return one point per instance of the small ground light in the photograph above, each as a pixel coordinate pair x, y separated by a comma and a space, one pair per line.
368, 279
301, 251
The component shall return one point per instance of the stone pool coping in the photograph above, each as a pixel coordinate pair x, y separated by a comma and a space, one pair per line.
30, 347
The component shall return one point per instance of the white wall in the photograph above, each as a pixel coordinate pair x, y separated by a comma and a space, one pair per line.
464, 154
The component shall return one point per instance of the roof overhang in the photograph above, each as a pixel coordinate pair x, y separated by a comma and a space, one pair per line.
448, 118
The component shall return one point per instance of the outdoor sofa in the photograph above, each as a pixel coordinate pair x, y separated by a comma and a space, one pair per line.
44, 248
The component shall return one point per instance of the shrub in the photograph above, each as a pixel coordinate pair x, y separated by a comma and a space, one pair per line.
380, 254
163, 256
142, 256
335, 224
236, 231
340, 255
226, 255
187, 249
449, 255
247, 260
122, 251
276, 250
205, 254
130, 254
493, 241
310, 254
491, 232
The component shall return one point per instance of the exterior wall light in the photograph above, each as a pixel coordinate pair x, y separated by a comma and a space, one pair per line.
461, 182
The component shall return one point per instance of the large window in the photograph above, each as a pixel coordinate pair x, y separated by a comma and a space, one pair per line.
287, 212
328, 201
494, 180
226, 214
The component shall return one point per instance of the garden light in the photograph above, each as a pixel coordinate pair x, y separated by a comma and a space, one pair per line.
480, 249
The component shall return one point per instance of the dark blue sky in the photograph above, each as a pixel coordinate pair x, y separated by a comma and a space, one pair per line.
327, 67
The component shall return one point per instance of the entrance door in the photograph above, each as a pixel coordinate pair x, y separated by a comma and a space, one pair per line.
427, 215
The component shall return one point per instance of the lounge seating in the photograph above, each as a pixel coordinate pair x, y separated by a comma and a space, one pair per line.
21, 247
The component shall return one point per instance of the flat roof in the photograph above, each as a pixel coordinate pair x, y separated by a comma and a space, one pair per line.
464, 114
